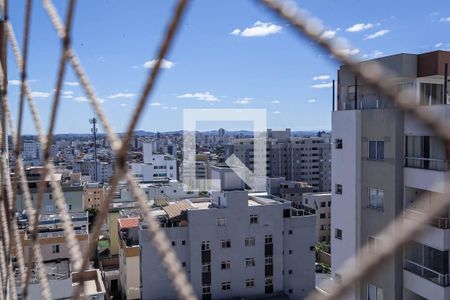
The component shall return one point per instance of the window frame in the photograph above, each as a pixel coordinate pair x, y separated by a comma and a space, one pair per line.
377, 156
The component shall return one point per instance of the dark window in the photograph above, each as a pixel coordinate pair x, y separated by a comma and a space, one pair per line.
338, 189
338, 234
338, 143
376, 150
226, 243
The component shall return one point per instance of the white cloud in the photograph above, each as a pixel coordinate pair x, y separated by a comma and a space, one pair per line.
135, 67
206, 96
312, 100
121, 96
321, 77
165, 107
235, 32
155, 104
277, 112
259, 29
438, 45
377, 34
36, 94
81, 99
123, 104
67, 96
447, 19
165, 64
245, 100
322, 85
173, 107
348, 51
14, 82
359, 27
71, 83
328, 34
67, 93
275, 102
374, 54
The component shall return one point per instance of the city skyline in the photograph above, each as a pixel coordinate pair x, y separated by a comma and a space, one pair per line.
295, 75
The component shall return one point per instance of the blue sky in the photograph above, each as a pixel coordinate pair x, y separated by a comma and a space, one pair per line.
228, 54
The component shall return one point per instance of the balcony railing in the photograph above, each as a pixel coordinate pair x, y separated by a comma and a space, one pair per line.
55, 234
439, 222
424, 272
427, 163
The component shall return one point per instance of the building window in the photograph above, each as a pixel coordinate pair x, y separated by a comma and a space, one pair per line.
226, 243
268, 284
338, 189
290, 232
206, 289
250, 282
221, 221
432, 93
268, 261
374, 292
205, 245
268, 239
183, 264
226, 286
323, 215
55, 248
206, 267
323, 204
338, 144
290, 272
290, 251
373, 243
174, 243
376, 198
376, 150
183, 242
249, 262
338, 234
253, 219
225, 265
249, 241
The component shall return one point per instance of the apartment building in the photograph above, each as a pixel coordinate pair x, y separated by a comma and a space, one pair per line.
51, 235
382, 160
156, 165
88, 167
73, 193
233, 244
93, 194
129, 257
305, 159
63, 282
288, 189
320, 205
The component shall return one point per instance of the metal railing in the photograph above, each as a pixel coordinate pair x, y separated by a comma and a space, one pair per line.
427, 273
439, 222
427, 163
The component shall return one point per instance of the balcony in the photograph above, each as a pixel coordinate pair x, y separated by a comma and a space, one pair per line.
427, 163
424, 272
425, 179
423, 287
438, 222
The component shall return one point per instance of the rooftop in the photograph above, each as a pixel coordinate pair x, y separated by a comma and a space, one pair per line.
128, 222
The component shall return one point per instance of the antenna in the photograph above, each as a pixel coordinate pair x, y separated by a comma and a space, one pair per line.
93, 121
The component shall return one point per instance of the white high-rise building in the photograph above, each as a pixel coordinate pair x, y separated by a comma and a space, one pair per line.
383, 159
156, 165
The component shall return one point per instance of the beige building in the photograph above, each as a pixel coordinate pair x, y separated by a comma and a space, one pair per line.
320, 204
51, 236
129, 257
94, 194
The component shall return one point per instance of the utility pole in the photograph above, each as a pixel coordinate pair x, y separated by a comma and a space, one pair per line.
93, 121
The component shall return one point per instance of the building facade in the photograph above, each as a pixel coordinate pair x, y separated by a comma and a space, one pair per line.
234, 244
305, 159
382, 160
